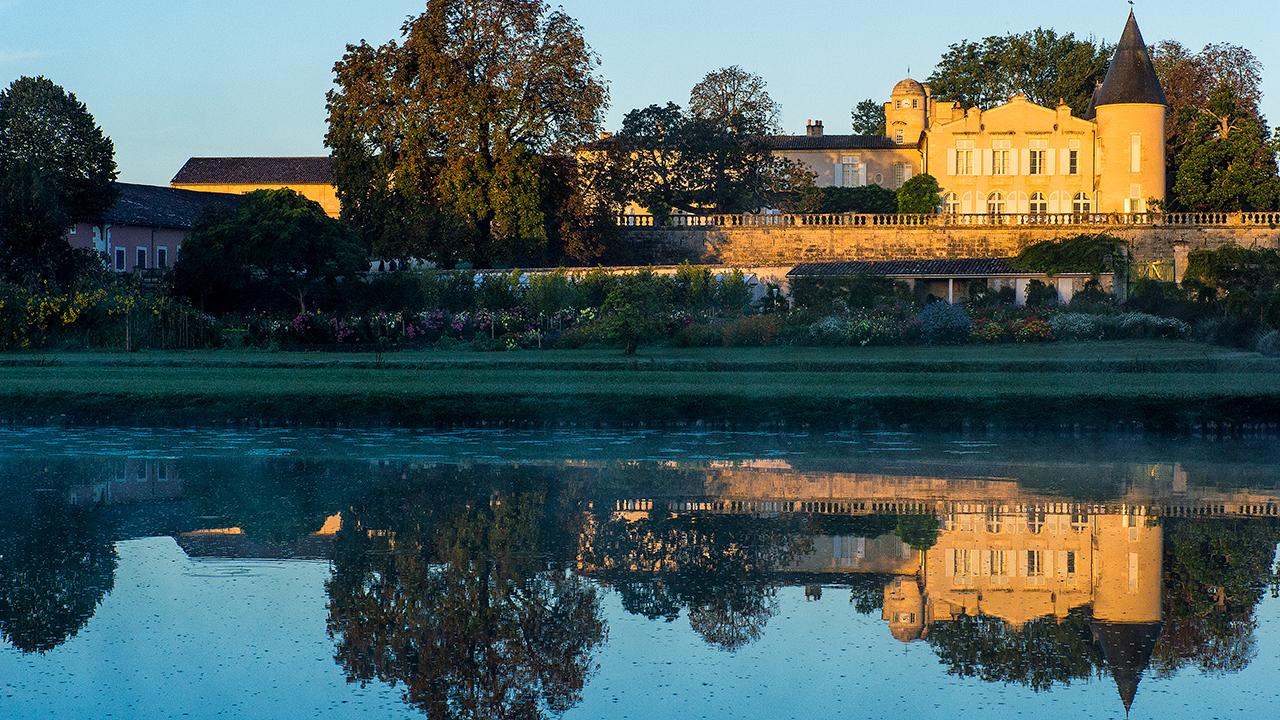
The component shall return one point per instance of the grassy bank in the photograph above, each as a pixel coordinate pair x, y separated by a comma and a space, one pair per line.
1158, 385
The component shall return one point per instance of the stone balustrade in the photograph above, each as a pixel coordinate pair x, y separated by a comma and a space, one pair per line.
1021, 220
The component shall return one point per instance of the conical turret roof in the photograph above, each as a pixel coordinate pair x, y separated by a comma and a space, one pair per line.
1131, 77
1127, 648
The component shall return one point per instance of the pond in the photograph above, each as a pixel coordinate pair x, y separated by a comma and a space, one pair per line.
502, 574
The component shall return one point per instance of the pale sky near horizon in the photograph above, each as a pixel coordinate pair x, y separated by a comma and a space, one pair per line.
171, 79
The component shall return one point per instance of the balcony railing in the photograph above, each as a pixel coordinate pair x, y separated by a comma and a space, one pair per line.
1189, 219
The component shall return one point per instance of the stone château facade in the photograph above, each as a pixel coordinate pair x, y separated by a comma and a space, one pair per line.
1017, 158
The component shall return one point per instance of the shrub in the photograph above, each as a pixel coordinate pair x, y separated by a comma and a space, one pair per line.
874, 329
1032, 329
751, 331
1231, 330
1078, 326
631, 312
830, 330
699, 335
943, 323
1041, 295
989, 331
1134, 325
1269, 344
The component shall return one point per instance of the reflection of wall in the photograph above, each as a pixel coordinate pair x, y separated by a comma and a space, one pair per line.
136, 480
846, 554
1023, 566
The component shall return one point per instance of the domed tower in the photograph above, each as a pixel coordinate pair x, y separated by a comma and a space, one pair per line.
906, 112
1129, 108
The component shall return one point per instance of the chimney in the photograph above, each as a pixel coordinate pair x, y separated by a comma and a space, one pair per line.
813, 128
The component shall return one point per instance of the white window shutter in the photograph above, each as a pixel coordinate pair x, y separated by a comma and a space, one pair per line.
966, 204
1024, 204
862, 174
1049, 162
908, 170
951, 161
1055, 203
988, 161
839, 174
1026, 163
1064, 161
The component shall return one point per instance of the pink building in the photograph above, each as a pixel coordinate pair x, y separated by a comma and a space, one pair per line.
144, 230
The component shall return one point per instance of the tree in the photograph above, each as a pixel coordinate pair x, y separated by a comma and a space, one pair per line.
667, 160
32, 226
736, 101
274, 238
921, 195
47, 129
868, 199
1190, 80
869, 119
1043, 65
1228, 159
631, 313
445, 135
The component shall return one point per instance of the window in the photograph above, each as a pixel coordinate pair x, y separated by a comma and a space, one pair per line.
72, 231
1000, 157
995, 523
962, 562
915, 103
120, 264
140, 260
999, 562
162, 472
995, 204
951, 202
850, 171
1081, 205
1135, 153
1035, 521
1073, 157
1071, 563
1035, 563
1039, 206
1079, 521
964, 157
899, 136
162, 257
1036, 158
899, 174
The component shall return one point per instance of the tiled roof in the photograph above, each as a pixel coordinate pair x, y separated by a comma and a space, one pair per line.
830, 142
162, 207
1131, 77
256, 171
975, 267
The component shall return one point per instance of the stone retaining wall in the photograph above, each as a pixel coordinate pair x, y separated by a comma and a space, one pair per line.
749, 246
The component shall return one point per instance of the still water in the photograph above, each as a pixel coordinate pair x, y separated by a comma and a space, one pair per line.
282, 574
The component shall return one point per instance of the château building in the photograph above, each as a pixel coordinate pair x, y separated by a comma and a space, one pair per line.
1017, 158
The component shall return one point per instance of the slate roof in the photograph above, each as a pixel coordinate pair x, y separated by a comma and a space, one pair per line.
1131, 77
256, 171
1127, 648
830, 142
964, 267
163, 207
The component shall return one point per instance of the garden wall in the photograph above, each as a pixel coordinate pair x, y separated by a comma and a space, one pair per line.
751, 246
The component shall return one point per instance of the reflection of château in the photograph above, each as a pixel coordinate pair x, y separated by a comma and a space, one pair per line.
1002, 551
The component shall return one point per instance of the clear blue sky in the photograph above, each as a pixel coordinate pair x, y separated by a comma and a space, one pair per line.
170, 79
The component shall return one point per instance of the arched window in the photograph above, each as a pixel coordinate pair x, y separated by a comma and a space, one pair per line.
1039, 206
951, 203
995, 204
1082, 205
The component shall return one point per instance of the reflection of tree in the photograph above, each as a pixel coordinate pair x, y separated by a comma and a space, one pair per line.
866, 592
717, 567
1043, 653
919, 531
460, 597
57, 563
1216, 572
273, 499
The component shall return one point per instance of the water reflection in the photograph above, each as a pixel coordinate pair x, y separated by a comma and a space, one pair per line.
479, 589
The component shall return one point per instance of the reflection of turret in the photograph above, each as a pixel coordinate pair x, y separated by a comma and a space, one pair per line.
904, 609
1127, 647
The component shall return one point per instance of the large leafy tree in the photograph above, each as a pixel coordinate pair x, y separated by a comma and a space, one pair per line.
1041, 63
869, 118
275, 239
440, 140
736, 101
42, 126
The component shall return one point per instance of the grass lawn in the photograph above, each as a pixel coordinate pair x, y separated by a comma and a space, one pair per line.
1168, 385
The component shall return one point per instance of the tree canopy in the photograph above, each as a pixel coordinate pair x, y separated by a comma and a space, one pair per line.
869, 118
275, 239
440, 141
1042, 64
44, 127
735, 100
